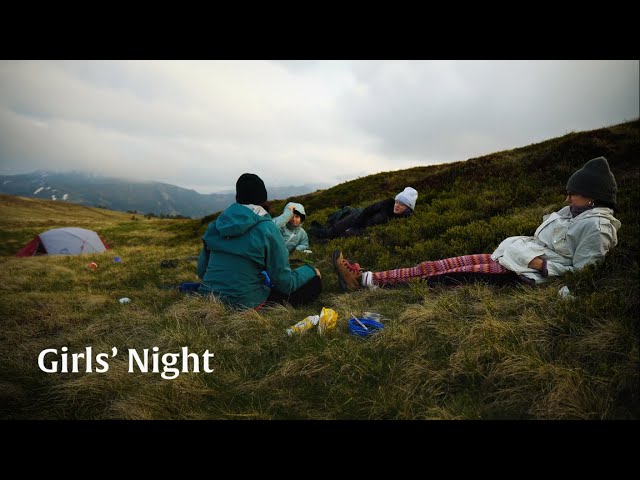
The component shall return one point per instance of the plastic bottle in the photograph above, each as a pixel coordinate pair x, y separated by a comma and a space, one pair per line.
304, 325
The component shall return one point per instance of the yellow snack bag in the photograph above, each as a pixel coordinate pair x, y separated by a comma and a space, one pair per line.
328, 319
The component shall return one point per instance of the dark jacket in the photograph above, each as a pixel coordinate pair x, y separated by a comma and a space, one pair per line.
376, 214
237, 247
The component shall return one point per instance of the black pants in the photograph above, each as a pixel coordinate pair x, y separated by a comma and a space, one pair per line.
305, 294
342, 228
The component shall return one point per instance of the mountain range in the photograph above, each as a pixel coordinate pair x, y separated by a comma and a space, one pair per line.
125, 195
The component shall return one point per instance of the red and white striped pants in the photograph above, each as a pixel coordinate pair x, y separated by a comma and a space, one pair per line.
479, 263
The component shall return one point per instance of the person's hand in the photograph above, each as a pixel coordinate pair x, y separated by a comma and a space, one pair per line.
317, 272
536, 263
291, 207
307, 251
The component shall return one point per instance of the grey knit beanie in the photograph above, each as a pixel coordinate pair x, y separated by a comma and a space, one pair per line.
594, 180
408, 197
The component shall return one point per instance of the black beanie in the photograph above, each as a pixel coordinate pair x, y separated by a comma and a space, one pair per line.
594, 180
250, 189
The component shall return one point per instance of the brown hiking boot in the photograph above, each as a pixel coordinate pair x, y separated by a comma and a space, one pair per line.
349, 274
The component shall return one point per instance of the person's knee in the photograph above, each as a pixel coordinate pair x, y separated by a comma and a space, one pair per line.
315, 284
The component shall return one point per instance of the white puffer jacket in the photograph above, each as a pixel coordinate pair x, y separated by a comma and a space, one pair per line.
566, 243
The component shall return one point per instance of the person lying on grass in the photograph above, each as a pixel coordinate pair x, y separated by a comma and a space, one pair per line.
579, 234
349, 222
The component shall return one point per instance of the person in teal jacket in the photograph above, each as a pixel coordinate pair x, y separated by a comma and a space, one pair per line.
290, 225
242, 245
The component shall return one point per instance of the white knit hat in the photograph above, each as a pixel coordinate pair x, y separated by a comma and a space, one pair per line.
408, 197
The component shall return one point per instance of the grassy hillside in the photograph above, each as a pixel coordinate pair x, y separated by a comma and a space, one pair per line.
470, 352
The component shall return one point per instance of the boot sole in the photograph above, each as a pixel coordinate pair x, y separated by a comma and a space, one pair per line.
334, 260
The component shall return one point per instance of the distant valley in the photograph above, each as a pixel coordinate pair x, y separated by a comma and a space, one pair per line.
156, 198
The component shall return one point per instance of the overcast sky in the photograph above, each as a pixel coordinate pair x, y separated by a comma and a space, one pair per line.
200, 124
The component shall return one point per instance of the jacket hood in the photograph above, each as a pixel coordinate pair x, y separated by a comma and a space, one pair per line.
237, 219
602, 212
297, 206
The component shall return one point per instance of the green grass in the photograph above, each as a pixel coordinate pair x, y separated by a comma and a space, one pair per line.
469, 352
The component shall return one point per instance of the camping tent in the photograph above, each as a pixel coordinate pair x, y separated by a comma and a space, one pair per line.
64, 241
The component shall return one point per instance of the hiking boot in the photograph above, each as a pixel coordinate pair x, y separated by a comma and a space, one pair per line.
349, 274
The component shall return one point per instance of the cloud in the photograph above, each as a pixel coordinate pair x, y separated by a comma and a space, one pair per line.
452, 110
200, 124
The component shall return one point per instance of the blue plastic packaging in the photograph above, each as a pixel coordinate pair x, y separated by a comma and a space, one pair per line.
267, 279
189, 287
363, 327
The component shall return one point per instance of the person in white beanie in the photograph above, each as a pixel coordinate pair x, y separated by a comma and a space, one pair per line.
352, 221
